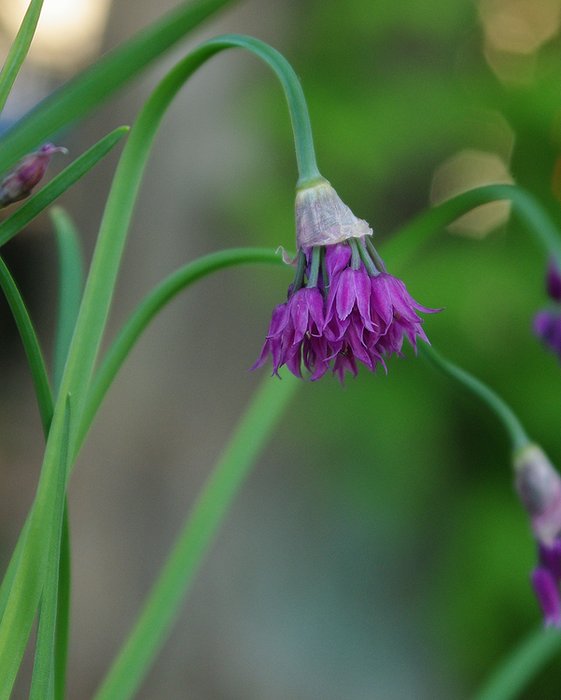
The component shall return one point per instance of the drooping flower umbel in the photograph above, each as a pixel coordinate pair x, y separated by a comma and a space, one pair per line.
20, 181
342, 307
539, 487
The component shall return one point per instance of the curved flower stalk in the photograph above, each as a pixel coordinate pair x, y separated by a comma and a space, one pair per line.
343, 307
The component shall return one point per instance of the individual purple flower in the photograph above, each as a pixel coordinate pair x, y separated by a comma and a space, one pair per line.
553, 281
20, 181
539, 487
547, 327
343, 308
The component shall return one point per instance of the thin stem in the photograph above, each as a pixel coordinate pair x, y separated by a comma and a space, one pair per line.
520, 666
162, 606
151, 305
502, 411
525, 206
303, 140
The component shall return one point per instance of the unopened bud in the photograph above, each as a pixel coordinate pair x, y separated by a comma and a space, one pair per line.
323, 219
539, 486
19, 183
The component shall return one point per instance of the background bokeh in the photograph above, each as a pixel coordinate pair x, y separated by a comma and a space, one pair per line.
378, 550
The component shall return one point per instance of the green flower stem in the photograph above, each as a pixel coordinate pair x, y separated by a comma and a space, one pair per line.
30, 344
156, 618
151, 305
96, 84
518, 669
18, 50
514, 429
525, 206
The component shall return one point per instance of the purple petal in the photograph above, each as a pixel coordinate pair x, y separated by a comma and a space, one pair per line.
547, 593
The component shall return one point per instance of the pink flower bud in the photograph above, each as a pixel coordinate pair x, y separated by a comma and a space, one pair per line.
19, 183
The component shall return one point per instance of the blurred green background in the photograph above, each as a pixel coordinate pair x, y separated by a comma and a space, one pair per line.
378, 551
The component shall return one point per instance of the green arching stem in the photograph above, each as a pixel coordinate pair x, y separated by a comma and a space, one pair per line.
514, 429
151, 305
525, 206
308, 172
517, 670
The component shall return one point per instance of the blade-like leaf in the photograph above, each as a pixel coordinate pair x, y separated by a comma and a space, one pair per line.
92, 87
18, 50
43, 681
59, 184
71, 285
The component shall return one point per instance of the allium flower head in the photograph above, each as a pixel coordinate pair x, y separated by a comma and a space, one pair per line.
343, 307
539, 487
19, 182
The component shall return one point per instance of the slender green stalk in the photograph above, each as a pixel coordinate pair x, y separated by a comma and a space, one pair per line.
71, 284
43, 680
18, 50
509, 679
30, 344
95, 85
498, 406
525, 206
63, 608
162, 606
151, 305
33, 206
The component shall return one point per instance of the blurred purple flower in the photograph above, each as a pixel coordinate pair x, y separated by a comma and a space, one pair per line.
343, 307
539, 487
547, 326
19, 182
553, 281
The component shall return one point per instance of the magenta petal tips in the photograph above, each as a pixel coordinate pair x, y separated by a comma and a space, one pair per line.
343, 308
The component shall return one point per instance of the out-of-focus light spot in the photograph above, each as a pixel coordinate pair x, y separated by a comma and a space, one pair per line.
514, 30
69, 32
464, 171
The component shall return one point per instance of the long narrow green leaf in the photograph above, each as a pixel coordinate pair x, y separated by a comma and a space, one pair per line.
96, 84
63, 608
164, 601
43, 680
18, 50
71, 285
30, 344
33, 206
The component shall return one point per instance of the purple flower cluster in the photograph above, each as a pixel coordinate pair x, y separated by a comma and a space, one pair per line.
546, 581
350, 310
547, 322
539, 487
